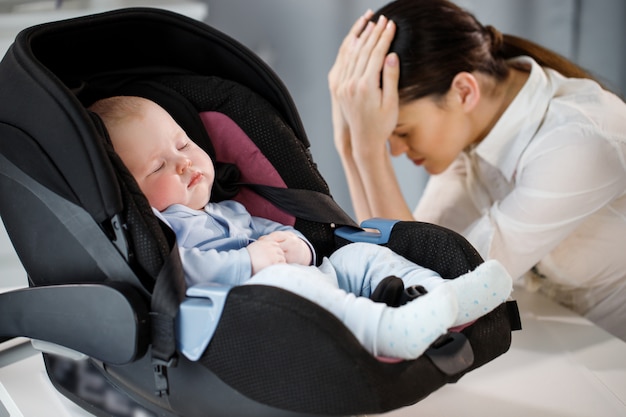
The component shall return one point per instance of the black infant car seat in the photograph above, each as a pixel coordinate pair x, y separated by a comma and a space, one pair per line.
104, 275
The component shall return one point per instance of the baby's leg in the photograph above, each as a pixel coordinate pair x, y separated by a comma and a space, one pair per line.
478, 292
481, 290
359, 314
404, 332
360, 267
407, 331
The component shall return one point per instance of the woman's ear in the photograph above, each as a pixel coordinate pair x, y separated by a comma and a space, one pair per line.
465, 91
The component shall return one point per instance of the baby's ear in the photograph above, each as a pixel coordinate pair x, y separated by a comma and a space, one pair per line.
465, 91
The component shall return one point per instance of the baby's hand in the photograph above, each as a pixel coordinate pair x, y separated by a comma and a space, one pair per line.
295, 249
264, 253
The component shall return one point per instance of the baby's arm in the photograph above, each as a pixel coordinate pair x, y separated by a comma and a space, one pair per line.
296, 250
265, 252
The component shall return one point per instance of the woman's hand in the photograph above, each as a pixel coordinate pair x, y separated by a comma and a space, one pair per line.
336, 78
364, 113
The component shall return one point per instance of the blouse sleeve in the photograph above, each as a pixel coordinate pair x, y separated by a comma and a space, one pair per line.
561, 180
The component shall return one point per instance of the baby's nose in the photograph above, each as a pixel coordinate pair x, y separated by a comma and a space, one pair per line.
183, 164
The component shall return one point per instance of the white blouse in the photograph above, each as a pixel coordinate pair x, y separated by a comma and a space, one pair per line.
545, 193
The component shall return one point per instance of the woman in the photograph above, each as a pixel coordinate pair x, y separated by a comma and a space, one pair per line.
527, 153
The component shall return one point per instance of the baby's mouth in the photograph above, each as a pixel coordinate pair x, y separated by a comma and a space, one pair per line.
195, 178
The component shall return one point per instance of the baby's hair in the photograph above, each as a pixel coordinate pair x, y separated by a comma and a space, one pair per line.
118, 108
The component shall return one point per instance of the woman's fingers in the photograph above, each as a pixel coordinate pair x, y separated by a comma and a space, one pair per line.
350, 51
364, 61
353, 35
356, 54
357, 27
355, 79
390, 77
378, 54
368, 51
390, 67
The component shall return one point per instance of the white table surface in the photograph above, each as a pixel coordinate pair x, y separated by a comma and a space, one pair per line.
559, 365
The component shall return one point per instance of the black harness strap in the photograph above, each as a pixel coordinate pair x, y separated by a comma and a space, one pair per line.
305, 204
163, 310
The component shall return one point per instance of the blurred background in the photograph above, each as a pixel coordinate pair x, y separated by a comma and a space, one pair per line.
299, 40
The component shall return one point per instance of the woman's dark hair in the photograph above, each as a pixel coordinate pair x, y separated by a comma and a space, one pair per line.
436, 39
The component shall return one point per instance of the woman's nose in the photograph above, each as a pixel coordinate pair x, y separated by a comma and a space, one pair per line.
397, 146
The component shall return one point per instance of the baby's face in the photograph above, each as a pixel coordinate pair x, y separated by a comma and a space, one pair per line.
167, 165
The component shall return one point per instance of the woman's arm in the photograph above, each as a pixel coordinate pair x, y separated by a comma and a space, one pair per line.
364, 116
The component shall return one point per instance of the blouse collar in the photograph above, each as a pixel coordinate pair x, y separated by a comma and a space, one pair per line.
507, 140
